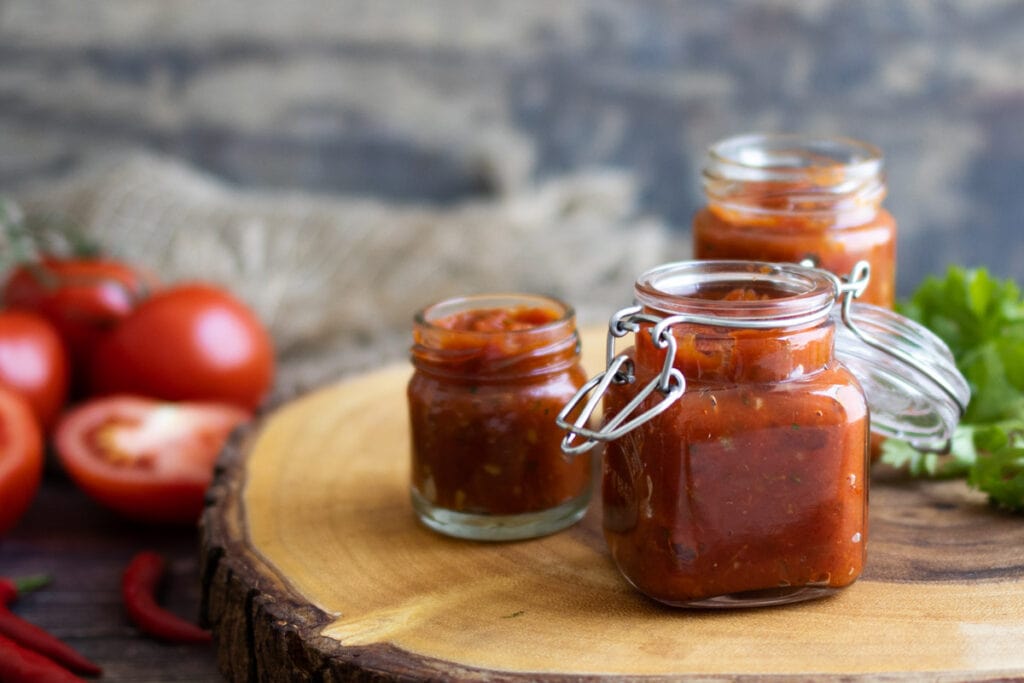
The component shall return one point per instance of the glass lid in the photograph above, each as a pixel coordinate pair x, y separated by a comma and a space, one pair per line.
913, 387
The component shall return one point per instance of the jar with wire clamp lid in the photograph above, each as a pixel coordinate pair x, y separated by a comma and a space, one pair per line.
491, 373
736, 428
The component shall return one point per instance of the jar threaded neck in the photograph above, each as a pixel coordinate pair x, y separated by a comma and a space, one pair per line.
787, 174
740, 321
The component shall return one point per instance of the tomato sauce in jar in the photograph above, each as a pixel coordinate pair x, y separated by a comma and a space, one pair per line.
491, 373
736, 427
787, 198
752, 488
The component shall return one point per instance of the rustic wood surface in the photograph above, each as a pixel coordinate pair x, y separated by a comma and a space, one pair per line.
85, 549
315, 568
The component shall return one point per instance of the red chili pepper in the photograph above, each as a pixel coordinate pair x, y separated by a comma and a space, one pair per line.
31, 637
138, 588
12, 588
20, 665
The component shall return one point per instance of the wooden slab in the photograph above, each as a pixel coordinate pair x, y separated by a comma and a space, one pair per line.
316, 569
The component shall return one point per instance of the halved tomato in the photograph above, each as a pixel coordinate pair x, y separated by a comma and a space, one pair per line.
21, 458
149, 460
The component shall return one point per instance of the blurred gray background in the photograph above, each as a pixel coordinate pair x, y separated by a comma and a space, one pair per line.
438, 101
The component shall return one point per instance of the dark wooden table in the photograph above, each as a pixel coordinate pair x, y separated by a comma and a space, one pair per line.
85, 549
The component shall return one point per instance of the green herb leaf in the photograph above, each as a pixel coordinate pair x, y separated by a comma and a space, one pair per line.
967, 308
981, 319
999, 470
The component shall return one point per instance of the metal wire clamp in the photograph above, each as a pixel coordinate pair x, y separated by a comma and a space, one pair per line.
670, 382
620, 370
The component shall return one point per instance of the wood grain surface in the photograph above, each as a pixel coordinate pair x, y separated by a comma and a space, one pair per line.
85, 549
315, 568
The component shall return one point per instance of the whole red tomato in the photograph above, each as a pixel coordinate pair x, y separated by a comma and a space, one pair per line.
21, 458
148, 460
81, 297
32, 364
193, 342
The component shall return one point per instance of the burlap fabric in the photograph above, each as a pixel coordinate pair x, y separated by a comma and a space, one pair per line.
337, 279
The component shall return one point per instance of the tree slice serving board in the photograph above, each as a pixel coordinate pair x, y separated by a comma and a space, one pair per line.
315, 568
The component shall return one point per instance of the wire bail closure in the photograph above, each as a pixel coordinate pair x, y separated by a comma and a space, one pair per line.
670, 383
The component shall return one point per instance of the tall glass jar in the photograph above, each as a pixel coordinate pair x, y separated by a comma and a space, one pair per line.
491, 373
735, 470
787, 198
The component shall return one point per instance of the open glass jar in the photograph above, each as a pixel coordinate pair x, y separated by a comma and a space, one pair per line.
491, 373
788, 198
735, 472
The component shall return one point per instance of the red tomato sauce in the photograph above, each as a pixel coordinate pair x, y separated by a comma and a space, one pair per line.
483, 402
499, 319
754, 481
762, 225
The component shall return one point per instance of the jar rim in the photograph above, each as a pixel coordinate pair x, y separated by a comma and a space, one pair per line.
802, 295
789, 152
495, 355
428, 316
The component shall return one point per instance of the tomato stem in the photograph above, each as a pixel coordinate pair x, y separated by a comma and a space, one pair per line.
29, 237
12, 221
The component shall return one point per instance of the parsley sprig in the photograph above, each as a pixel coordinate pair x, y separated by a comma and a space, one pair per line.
981, 319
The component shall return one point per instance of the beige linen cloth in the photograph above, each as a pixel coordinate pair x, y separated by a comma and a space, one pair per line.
337, 279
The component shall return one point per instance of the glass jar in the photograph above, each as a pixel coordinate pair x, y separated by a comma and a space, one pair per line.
787, 198
735, 471
491, 373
